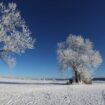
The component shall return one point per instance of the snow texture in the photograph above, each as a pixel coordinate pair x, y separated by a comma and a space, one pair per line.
39, 92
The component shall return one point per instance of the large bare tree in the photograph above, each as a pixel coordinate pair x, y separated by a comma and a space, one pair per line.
78, 55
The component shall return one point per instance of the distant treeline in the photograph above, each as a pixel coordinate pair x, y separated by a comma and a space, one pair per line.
57, 79
100, 79
61, 79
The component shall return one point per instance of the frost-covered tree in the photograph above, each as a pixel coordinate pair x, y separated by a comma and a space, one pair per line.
14, 33
78, 54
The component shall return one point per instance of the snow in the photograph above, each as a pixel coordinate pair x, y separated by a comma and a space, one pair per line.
47, 92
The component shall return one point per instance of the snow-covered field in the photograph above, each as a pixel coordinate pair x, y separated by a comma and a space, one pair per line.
37, 92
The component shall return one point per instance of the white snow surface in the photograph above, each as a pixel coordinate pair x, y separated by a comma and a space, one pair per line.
47, 92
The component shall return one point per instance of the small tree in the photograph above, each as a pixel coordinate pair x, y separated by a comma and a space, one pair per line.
78, 54
14, 34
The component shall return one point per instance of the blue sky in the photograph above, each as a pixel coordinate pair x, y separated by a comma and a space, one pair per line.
51, 21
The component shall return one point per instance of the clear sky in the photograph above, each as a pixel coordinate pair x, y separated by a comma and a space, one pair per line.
51, 21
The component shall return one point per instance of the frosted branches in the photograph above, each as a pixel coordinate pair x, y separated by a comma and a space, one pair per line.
7, 59
78, 54
14, 34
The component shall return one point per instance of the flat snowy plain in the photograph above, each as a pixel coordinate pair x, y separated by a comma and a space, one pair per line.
41, 92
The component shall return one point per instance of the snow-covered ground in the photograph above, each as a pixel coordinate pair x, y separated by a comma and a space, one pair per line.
37, 92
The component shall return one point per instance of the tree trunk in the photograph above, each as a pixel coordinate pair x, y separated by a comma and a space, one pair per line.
79, 77
76, 78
